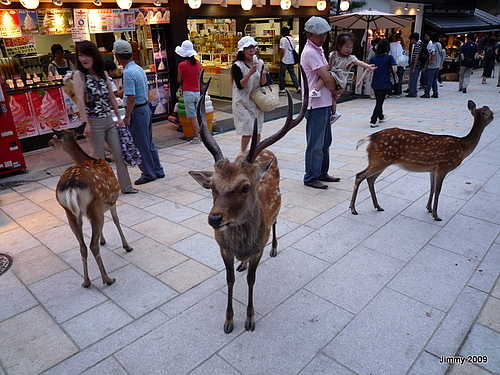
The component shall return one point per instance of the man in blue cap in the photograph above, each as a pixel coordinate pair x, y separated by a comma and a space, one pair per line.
138, 116
318, 129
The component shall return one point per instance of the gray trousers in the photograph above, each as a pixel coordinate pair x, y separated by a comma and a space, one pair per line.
464, 77
104, 129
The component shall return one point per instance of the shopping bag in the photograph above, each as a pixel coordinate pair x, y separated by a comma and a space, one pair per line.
266, 97
130, 153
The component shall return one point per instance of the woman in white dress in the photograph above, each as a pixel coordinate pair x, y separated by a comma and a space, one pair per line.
249, 73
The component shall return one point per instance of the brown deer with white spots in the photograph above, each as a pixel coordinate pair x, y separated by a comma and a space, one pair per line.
246, 201
87, 188
419, 152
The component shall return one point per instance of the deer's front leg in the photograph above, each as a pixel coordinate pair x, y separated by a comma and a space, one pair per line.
252, 269
229, 263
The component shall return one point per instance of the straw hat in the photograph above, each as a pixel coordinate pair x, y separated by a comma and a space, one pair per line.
245, 42
185, 49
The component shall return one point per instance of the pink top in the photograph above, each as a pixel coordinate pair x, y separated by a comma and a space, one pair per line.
190, 75
311, 59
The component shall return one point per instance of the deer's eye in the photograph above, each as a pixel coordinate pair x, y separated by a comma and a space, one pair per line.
245, 189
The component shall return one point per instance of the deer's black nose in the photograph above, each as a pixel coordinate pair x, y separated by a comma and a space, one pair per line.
215, 220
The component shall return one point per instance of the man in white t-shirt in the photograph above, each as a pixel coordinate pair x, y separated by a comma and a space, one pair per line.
287, 45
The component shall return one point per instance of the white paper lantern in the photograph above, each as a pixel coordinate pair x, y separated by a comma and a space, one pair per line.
246, 4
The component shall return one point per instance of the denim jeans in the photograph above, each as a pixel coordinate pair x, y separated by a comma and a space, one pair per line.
319, 139
141, 128
414, 81
398, 87
432, 75
288, 68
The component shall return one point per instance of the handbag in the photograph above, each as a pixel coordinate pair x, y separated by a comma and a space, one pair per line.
402, 61
394, 78
296, 58
266, 97
130, 153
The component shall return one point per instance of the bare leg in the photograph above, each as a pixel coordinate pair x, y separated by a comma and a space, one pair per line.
195, 126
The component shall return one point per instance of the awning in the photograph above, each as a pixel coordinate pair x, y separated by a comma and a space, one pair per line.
460, 23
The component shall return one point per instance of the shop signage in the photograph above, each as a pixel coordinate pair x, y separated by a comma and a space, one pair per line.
23, 115
9, 24
28, 21
49, 109
55, 21
123, 20
23, 44
159, 94
152, 16
80, 32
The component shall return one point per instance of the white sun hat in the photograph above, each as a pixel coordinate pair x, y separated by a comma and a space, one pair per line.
245, 42
317, 25
185, 49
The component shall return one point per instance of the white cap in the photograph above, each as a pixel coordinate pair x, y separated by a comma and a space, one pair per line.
317, 25
245, 42
186, 49
122, 46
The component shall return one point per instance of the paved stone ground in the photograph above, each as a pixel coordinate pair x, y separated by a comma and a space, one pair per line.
379, 293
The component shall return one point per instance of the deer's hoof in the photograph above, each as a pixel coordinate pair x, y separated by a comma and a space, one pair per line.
110, 281
273, 253
128, 248
249, 326
228, 328
353, 211
102, 241
437, 218
379, 208
86, 284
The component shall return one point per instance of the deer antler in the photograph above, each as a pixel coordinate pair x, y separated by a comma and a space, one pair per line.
290, 123
205, 133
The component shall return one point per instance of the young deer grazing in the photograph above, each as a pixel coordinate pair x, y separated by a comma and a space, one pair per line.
87, 188
246, 201
419, 152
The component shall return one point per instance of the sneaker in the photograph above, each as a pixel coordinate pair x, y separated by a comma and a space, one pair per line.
314, 93
434, 96
372, 96
425, 96
440, 85
464, 91
383, 119
411, 96
460, 89
406, 91
299, 90
195, 140
334, 117
373, 125
282, 91
398, 96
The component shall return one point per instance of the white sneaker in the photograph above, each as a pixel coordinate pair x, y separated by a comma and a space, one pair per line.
383, 119
283, 91
314, 93
195, 140
373, 125
334, 117
299, 90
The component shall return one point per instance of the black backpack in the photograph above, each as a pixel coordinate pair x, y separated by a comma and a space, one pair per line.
424, 55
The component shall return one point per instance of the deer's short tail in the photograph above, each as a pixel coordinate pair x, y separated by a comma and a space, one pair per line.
362, 141
69, 199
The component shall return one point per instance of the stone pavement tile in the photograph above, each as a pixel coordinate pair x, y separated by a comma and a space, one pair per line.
279, 278
52, 206
163, 231
467, 236
289, 337
486, 275
322, 365
292, 237
335, 239
8, 196
130, 215
409, 186
328, 215
96, 323
50, 182
172, 211
427, 364
140, 200
148, 291
490, 315
20, 208
435, 277
180, 196
36, 264
39, 193
467, 369
151, 256
59, 239
111, 262
7, 223
215, 366
461, 187
107, 367
186, 275
457, 322
96, 353
33, 349
199, 223
181, 344
387, 336
356, 278
17, 240
401, 238
476, 169
203, 205
483, 341
496, 290
39, 222
299, 215
483, 206
63, 296
14, 296
491, 186
448, 207
202, 248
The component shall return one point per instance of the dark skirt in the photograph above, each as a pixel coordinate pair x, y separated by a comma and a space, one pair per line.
489, 65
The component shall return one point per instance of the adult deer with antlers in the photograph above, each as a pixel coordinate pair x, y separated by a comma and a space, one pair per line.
419, 152
87, 188
246, 201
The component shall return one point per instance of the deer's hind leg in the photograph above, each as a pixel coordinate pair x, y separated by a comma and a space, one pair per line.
371, 186
116, 220
274, 246
75, 224
359, 179
97, 223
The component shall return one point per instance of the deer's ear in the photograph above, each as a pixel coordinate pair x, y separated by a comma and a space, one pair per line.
472, 106
264, 167
202, 177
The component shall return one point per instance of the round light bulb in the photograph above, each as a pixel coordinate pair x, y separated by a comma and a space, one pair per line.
194, 4
246, 4
321, 5
344, 5
285, 4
